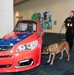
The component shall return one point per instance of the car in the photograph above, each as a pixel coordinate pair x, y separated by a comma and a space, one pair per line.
20, 50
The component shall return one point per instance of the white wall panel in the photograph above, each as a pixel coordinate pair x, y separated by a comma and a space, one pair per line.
6, 17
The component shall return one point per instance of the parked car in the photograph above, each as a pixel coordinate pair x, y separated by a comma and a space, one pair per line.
20, 50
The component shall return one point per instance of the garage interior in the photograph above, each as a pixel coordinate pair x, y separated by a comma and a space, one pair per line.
60, 10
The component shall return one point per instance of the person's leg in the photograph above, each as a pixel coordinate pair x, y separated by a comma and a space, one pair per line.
69, 38
71, 41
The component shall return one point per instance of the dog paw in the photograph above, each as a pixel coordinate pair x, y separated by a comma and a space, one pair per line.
67, 59
48, 61
60, 58
51, 63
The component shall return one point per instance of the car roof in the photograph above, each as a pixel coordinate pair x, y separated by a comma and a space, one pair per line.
27, 20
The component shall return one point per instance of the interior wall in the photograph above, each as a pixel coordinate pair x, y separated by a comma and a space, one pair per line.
6, 17
59, 8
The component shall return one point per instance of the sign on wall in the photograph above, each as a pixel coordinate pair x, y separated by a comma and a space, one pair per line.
45, 19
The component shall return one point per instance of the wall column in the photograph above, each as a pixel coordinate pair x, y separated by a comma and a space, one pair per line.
6, 17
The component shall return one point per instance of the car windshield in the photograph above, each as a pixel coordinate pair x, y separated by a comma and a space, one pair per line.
25, 27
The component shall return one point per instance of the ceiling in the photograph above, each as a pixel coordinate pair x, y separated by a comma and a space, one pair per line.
19, 1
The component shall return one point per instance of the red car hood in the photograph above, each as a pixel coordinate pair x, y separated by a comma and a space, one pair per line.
14, 38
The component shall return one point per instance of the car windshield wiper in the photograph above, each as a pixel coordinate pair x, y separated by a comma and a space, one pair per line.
16, 30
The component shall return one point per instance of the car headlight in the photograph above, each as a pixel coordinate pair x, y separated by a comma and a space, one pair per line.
28, 46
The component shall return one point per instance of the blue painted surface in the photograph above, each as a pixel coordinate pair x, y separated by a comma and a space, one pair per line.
12, 41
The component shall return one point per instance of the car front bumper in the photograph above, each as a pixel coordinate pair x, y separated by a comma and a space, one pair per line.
20, 61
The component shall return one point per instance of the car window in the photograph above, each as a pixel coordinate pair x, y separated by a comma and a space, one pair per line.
25, 27
34, 27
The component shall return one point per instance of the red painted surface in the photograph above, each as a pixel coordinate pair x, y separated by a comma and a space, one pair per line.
15, 57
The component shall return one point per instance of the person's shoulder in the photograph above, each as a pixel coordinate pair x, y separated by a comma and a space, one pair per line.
68, 18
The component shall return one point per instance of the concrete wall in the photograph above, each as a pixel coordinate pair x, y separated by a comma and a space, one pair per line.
6, 17
59, 8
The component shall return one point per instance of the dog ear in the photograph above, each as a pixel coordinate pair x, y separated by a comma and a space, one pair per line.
46, 49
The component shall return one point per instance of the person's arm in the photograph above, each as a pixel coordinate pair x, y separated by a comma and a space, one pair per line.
63, 25
64, 22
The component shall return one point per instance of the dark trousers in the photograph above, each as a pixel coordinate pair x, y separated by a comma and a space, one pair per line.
69, 37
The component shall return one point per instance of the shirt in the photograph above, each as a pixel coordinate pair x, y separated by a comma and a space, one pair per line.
69, 23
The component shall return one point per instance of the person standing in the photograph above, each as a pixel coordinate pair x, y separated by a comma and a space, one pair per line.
69, 25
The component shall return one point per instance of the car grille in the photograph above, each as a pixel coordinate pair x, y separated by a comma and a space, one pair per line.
5, 48
5, 56
5, 66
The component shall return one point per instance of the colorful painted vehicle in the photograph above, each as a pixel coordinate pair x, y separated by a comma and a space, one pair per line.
20, 50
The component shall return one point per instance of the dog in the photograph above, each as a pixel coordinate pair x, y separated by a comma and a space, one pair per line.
56, 48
